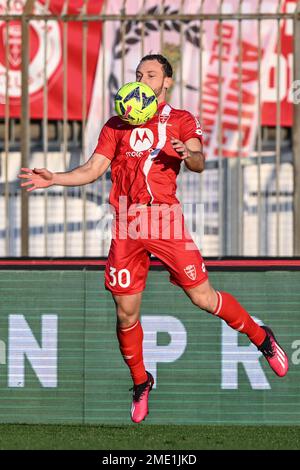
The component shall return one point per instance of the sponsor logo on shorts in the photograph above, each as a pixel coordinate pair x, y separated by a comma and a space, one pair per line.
190, 271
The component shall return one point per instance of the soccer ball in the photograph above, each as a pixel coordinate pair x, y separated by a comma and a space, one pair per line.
135, 103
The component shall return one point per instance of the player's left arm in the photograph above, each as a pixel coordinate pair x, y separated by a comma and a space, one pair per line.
191, 151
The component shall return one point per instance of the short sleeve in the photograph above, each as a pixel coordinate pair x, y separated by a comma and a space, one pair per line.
190, 128
107, 141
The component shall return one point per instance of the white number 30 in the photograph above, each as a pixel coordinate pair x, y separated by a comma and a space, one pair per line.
117, 277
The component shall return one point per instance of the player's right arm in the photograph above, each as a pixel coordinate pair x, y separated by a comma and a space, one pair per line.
87, 173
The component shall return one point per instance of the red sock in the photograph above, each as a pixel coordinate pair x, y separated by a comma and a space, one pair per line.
230, 310
131, 347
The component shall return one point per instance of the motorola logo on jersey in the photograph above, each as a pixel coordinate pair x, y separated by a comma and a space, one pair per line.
141, 139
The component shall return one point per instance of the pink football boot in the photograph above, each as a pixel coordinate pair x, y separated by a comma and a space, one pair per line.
275, 355
139, 407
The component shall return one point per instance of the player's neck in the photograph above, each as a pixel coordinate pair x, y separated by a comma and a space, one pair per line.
161, 100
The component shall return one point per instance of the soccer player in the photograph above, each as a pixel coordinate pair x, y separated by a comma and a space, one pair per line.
145, 161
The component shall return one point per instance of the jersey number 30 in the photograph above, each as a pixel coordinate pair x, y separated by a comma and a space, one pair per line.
121, 277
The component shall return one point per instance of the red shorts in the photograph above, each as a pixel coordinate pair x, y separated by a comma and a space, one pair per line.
129, 256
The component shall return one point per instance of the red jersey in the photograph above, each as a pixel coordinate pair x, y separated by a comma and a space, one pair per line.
144, 165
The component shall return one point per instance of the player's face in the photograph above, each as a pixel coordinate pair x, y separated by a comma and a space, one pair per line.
152, 74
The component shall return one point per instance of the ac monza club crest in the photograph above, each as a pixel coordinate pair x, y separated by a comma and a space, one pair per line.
12, 36
190, 271
11, 43
163, 118
141, 139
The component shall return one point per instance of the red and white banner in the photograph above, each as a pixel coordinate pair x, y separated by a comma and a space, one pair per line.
185, 59
269, 108
11, 39
229, 116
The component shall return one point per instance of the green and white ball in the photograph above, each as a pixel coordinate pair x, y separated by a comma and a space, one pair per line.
135, 103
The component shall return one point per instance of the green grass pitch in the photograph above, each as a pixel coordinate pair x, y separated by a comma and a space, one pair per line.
148, 437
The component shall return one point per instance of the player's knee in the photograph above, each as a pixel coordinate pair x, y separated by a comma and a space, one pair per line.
204, 300
127, 314
201, 301
126, 319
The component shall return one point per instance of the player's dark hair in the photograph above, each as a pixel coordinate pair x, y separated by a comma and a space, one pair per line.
167, 67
